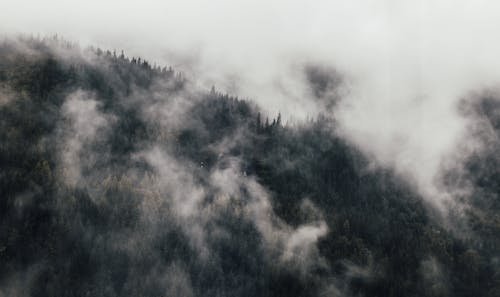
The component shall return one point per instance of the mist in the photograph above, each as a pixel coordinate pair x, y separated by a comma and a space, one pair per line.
338, 136
405, 64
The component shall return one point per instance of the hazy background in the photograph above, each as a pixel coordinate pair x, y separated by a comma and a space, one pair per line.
405, 63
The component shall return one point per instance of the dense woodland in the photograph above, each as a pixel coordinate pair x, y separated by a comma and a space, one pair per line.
121, 178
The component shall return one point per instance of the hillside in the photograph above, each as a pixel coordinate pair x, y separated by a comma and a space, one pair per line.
120, 178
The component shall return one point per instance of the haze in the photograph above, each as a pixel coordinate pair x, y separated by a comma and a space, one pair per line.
405, 64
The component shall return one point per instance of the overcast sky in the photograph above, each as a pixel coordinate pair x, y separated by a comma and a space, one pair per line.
406, 63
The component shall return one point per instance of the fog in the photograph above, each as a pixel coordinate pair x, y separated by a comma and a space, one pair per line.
364, 162
405, 64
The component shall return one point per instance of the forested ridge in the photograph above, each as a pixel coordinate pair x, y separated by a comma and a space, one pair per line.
123, 178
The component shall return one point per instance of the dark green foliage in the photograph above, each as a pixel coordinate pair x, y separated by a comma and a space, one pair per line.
66, 233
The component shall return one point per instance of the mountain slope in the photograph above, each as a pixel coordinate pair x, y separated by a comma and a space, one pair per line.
122, 179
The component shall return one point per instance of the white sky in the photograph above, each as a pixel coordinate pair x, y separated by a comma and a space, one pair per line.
407, 62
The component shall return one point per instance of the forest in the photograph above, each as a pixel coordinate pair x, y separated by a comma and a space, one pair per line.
119, 177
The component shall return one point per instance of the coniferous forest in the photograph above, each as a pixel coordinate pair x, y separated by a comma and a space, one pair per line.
122, 178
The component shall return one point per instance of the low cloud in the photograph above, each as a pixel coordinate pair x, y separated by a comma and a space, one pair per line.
405, 64
83, 125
